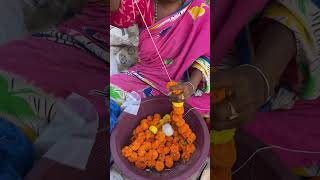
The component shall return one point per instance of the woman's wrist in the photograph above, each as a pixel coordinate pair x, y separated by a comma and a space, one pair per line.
257, 82
271, 80
191, 86
195, 79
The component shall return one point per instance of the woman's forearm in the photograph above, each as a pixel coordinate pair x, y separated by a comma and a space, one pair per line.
196, 78
276, 47
114, 5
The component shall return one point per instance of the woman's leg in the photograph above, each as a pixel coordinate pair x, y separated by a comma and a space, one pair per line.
297, 128
201, 104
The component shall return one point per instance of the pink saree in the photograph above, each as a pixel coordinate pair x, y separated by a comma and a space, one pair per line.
183, 39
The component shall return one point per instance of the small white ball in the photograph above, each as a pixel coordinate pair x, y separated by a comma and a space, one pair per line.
167, 129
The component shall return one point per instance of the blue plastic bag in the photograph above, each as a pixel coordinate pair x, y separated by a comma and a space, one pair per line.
16, 152
8, 173
115, 111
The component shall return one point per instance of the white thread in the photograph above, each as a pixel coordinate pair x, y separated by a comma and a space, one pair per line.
164, 66
184, 114
134, 13
270, 147
153, 100
195, 108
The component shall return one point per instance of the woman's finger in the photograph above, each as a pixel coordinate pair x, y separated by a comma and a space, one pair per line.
221, 117
176, 87
240, 101
176, 98
225, 108
222, 113
243, 117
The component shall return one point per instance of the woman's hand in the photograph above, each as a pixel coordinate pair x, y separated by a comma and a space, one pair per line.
186, 89
246, 87
245, 92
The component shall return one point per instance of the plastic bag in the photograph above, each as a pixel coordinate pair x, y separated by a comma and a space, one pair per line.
16, 152
114, 114
132, 103
70, 136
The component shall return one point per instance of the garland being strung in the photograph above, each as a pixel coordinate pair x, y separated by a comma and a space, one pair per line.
223, 149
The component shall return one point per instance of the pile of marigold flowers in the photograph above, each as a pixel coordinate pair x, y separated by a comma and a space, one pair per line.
158, 143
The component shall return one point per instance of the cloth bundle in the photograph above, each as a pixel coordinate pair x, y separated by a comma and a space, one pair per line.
123, 49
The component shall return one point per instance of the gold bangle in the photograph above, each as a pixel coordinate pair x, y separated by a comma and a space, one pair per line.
193, 88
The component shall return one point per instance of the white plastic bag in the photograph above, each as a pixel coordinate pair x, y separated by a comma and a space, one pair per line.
70, 136
132, 103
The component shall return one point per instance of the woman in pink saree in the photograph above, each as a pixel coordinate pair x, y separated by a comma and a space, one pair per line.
182, 36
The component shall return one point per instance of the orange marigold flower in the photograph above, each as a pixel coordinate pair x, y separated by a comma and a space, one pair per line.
191, 138
147, 145
135, 146
160, 149
175, 117
149, 118
140, 163
154, 154
191, 148
174, 148
157, 116
155, 144
186, 156
141, 151
161, 136
168, 161
180, 122
175, 155
166, 150
159, 166
133, 157
178, 110
168, 144
126, 151
144, 126
151, 163
169, 138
